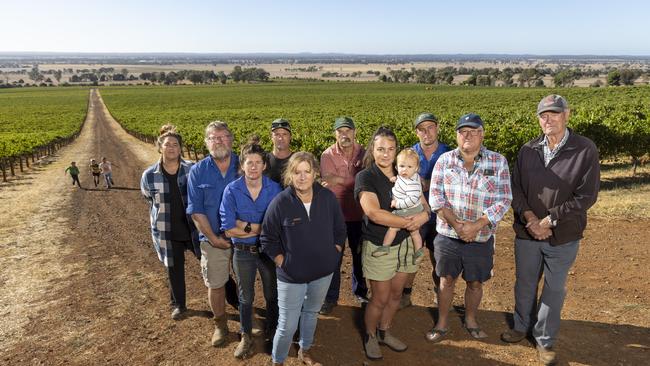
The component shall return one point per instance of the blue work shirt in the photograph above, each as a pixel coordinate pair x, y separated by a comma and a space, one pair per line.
426, 166
237, 204
205, 186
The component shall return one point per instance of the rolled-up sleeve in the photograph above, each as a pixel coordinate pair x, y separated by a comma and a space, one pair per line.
496, 211
228, 209
194, 193
437, 198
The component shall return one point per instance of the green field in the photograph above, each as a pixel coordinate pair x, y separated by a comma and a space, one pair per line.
33, 117
615, 118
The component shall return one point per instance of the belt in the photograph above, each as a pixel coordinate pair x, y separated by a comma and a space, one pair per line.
252, 248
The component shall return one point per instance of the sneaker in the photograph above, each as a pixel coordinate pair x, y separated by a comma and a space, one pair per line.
178, 312
546, 355
405, 301
244, 346
384, 337
327, 308
306, 359
371, 346
512, 336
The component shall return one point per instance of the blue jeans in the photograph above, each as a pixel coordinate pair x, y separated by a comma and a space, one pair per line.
359, 286
534, 258
298, 302
246, 264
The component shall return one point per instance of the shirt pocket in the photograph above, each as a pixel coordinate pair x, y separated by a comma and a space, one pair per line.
209, 194
486, 184
451, 179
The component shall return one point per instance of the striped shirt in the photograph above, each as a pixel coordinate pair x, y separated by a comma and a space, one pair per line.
407, 192
470, 195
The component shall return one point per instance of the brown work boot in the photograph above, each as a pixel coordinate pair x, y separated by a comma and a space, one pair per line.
546, 355
306, 358
244, 346
371, 346
220, 331
513, 336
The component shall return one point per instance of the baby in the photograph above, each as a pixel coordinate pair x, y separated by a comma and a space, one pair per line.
407, 193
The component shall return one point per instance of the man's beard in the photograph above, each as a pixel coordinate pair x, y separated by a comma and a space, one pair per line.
221, 153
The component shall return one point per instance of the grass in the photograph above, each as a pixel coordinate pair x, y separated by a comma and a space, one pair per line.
622, 195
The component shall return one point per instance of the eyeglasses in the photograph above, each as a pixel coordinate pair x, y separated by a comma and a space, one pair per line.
467, 133
218, 138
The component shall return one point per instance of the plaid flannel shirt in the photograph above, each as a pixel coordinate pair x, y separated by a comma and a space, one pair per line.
485, 191
155, 189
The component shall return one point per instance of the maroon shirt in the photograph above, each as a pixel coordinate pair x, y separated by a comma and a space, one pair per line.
334, 161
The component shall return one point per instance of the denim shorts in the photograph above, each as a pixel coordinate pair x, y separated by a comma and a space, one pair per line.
474, 260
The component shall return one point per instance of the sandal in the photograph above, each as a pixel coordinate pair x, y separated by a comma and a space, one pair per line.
476, 333
436, 335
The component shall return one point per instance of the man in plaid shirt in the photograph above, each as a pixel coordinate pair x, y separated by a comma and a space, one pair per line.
470, 192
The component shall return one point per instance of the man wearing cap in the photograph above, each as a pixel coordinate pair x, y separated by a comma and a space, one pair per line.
470, 192
279, 156
429, 150
339, 164
555, 182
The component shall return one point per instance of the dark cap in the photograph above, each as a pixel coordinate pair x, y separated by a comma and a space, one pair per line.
471, 120
552, 103
424, 117
343, 122
280, 123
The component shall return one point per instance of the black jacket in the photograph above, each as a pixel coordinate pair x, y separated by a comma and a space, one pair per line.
565, 189
307, 242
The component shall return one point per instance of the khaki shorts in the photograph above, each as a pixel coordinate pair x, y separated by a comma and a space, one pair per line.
384, 268
215, 265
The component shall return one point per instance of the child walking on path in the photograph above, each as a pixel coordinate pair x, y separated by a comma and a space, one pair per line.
74, 173
95, 171
407, 193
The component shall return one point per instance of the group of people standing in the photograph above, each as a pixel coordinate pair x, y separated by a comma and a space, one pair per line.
287, 216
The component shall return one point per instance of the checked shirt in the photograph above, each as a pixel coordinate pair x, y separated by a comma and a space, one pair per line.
470, 195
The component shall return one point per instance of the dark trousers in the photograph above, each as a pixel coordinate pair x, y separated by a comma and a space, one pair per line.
75, 179
176, 273
359, 286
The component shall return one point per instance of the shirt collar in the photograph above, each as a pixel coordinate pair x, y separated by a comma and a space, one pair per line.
545, 142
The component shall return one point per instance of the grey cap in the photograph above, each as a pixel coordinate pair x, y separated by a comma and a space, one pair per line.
552, 103
424, 117
343, 122
280, 123
471, 120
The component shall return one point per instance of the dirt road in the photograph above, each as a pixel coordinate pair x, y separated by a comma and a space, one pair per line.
80, 283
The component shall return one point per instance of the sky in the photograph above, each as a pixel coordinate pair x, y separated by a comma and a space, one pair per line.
357, 27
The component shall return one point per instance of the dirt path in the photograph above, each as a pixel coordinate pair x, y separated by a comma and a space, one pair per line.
80, 283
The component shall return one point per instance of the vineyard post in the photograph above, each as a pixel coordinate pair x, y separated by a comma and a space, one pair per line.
11, 166
2, 167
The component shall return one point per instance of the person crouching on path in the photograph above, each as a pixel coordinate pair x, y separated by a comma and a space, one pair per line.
304, 233
164, 186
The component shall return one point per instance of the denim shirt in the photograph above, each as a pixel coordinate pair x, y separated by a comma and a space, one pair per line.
205, 186
237, 204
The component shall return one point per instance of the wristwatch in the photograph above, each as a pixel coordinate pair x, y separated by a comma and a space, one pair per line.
248, 228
